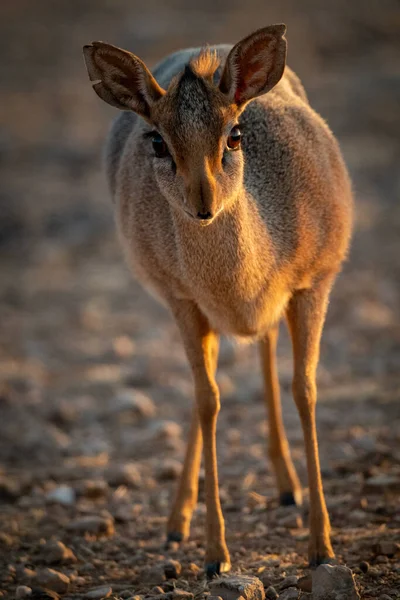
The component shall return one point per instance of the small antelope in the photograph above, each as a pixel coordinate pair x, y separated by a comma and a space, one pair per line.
234, 206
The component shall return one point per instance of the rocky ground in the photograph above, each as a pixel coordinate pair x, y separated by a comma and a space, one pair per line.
95, 391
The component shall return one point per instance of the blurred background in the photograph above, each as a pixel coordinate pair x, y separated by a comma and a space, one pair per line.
95, 392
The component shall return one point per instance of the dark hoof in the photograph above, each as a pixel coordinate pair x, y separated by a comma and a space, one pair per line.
288, 499
213, 569
173, 536
320, 560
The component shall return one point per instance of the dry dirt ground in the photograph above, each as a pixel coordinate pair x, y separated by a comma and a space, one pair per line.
95, 390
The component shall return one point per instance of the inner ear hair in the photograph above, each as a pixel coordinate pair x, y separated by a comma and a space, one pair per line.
255, 64
121, 79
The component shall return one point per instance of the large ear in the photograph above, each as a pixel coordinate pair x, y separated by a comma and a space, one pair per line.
254, 65
121, 78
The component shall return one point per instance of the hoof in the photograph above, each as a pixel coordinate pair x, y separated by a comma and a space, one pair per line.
173, 536
289, 499
322, 560
213, 569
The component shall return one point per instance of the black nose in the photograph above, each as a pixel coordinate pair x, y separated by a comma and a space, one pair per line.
204, 216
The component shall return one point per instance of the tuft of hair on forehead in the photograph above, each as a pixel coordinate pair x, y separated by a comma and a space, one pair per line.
205, 64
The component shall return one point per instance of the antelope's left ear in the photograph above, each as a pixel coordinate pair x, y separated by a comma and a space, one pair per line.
121, 79
254, 65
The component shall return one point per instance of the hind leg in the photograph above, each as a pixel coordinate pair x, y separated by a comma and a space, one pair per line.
289, 487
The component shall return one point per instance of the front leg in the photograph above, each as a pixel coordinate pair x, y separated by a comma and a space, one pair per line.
200, 343
306, 315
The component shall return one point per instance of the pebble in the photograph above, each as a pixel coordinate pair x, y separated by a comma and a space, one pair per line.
385, 597
333, 582
386, 548
290, 593
230, 588
63, 494
376, 483
291, 521
98, 593
153, 574
133, 401
271, 593
290, 581
169, 470
178, 594
214, 598
57, 553
93, 525
305, 583
43, 594
53, 580
266, 579
94, 489
172, 569
23, 591
127, 474
364, 566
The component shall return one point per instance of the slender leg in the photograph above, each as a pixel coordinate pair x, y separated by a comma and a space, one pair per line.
306, 315
201, 344
286, 477
178, 525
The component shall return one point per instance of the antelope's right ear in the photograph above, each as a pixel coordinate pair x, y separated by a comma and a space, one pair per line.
121, 78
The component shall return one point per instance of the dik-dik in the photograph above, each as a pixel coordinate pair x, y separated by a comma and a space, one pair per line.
233, 205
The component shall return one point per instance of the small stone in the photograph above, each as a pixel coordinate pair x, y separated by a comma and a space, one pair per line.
169, 470
333, 582
381, 559
291, 521
63, 494
127, 474
23, 591
266, 579
386, 548
290, 593
94, 489
271, 593
178, 594
125, 594
26, 575
214, 598
153, 574
305, 584
167, 430
358, 516
385, 597
43, 594
364, 566
378, 483
99, 593
57, 553
134, 402
290, 581
157, 589
93, 525
230, 588
53, 580
5, 540
172, 569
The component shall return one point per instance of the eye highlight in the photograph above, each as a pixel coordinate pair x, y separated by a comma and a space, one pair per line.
234, 138
159, 146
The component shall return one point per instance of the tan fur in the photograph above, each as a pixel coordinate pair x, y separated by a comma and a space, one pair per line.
279, 209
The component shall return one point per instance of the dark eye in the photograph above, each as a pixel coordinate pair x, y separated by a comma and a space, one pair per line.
234, 139
159, 146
